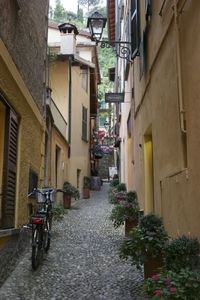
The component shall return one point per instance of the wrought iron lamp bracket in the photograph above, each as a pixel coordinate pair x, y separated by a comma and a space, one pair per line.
122, 49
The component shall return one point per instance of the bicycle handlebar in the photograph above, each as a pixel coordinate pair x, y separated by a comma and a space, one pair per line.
45, 191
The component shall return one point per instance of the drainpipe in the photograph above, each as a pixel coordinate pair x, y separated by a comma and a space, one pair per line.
179, 73
70, 105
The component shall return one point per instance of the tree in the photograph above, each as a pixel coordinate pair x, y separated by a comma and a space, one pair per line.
60, 13
89, 3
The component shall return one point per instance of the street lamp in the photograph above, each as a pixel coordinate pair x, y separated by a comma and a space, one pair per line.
96, 23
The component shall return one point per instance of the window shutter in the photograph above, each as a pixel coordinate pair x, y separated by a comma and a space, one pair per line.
135, 28
148, 11
84, 123
10, 170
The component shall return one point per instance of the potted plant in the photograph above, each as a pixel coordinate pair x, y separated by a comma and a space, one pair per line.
69, 191
117, 192
145, 244
86, 187
170, 285
182, 252
126, 212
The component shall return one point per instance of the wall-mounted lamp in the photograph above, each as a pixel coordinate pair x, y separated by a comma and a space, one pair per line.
96, 23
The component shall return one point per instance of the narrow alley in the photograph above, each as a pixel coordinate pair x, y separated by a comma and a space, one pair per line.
82, 262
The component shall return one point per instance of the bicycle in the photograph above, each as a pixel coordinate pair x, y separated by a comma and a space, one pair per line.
41, 222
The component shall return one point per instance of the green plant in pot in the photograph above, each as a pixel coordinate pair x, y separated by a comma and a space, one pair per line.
117, 193
69, 191
145, 244
127, 211
86, 187
182, 252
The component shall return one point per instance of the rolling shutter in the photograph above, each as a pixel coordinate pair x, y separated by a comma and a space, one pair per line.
10, 170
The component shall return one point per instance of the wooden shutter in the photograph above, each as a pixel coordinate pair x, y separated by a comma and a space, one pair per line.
84, 123
10, 170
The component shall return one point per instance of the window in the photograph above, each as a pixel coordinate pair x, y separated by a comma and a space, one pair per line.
84, 123
8, 163
135, 28
85, 79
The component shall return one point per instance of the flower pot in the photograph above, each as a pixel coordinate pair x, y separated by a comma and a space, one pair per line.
130, 224
152, 266
66, 201
86, 192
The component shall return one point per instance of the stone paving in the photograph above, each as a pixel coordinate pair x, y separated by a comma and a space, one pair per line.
82, 262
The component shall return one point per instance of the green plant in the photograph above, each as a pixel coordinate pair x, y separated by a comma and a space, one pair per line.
182, 252
184, 285
127, 209
147, 240
121, 187
86, 181
114, 182
70, 190
58, 212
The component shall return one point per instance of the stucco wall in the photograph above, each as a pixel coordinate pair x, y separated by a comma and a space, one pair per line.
23, 28
157, 96
30, 141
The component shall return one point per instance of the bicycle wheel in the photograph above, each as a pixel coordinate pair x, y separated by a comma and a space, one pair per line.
36, 246
46, 236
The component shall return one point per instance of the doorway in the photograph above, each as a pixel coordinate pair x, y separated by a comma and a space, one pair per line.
148, 169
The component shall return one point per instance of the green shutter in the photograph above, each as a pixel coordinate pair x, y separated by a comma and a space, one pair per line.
10, 170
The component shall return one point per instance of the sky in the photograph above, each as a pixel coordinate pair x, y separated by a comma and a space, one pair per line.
70, 5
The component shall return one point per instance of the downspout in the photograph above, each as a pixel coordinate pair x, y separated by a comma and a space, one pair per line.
179, 73
70, 105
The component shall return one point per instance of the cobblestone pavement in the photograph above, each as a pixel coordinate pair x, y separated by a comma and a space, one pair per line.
82, 262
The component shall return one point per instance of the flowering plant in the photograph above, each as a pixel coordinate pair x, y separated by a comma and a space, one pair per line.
147, 240
184, 285
128, 208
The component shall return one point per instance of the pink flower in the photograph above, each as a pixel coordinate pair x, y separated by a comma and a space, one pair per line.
198, 277
157, 292
156, 277
172, 290
167, 281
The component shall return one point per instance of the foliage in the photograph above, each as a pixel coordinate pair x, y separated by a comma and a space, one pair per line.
70, 190
182, 252
86, 181
60, 15
88, 3
145, 241
184, 285
127, 209
114, 182
121, 187
58, 212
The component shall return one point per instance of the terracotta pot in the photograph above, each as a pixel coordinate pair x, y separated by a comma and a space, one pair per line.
86, 192
130, 224
66, 201
152, 266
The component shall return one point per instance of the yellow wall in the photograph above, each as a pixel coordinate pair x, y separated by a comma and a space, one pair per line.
157, 104
79, 159
31, 132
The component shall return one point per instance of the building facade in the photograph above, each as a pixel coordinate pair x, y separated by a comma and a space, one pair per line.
163, 77
73, 79
23, 35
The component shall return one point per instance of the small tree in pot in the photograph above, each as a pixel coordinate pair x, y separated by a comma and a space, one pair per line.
145, 244
69, 191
